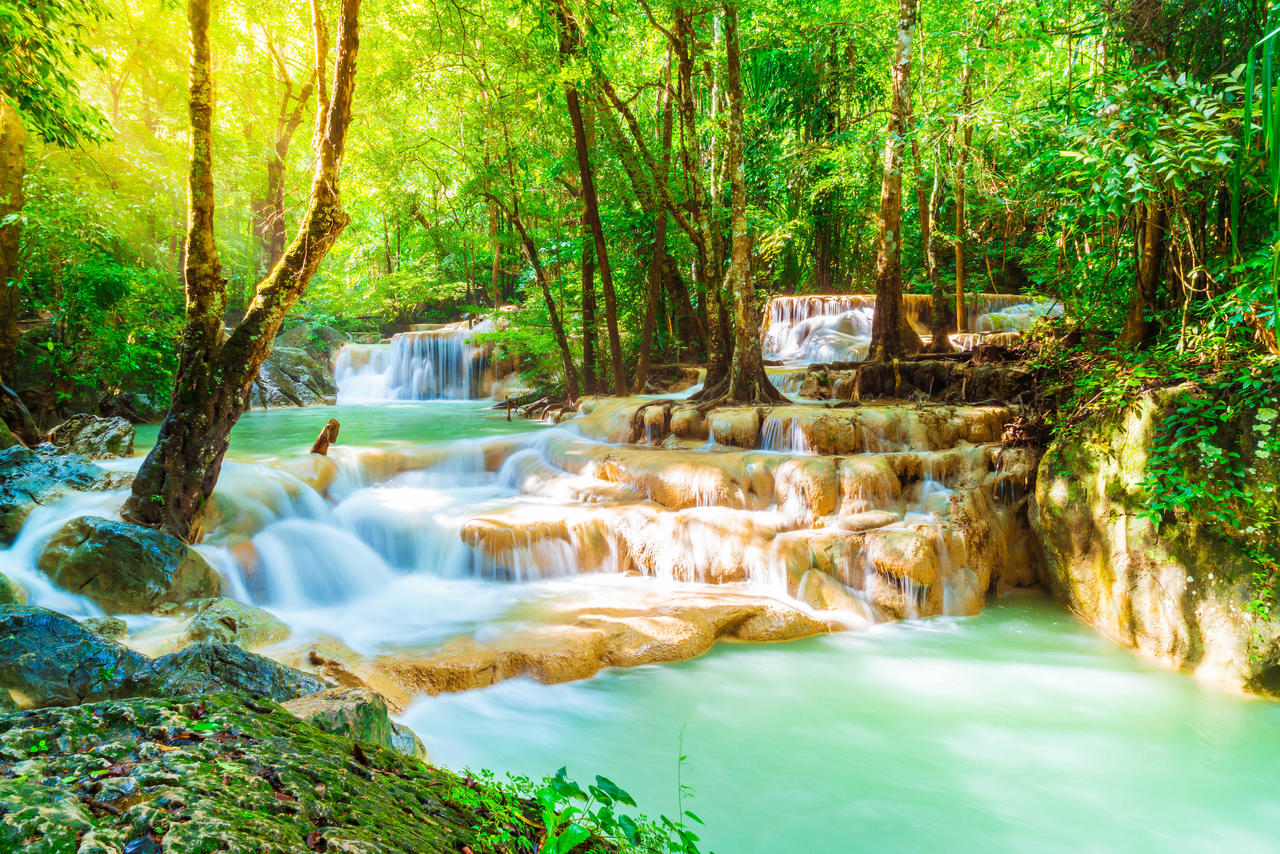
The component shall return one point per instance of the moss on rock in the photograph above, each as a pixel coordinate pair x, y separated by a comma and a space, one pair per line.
223, 773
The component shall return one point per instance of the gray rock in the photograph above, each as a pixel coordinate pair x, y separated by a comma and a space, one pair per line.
94, 437
209, 668
47, 659
32, 478
224, 620
126, 568
109, 627
292, 377
405, 741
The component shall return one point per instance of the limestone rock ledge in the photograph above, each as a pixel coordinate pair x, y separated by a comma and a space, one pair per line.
1178, 594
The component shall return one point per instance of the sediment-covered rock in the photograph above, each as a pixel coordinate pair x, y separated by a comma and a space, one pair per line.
109, 627
223, 620
355, 713
94, 437
126, 568
224, 773
32, 478
1178, 593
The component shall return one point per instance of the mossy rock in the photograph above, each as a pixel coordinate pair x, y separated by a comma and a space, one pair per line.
126, 568
223, 773
11, 593
223, 620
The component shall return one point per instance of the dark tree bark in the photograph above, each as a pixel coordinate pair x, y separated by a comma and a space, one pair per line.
216, 370
13, 165
891, 334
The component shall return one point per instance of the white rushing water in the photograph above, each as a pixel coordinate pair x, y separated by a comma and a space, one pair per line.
426, 364
812, 329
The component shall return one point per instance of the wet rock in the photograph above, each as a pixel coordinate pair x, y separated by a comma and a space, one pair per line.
1178, 593
11, 593
252, 778
94, 437
126, 568
209, 668
223, 620
32, 478
47, 659
355, 713
109, 627
7, 439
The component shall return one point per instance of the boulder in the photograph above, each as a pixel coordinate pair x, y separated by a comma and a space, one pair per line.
109, 627
210, 668
7, 439
223, 620
94, 437
292, 377
47, 659
32, 478
355, 713
405, 741
126, 568
1180, 592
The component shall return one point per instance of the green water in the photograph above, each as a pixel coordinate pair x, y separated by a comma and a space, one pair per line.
1017, 731
1020, 730
268, 433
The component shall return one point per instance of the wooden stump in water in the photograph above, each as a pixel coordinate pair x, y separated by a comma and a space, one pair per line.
328, 435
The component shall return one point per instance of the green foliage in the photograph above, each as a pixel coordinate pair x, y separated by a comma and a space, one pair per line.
41, 44
572, 819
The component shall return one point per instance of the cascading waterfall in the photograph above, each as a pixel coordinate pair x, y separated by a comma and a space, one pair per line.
813, 329
423, 364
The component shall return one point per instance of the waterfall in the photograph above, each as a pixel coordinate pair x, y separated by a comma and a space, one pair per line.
423, 364
820, 328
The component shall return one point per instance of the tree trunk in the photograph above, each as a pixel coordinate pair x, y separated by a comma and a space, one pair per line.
216, 371
495, 272
1139, 329
940, 340
891, 335
657, 263
13, 164
748, 382
590, 376
570, 41
963, 141
268, 213
557, 328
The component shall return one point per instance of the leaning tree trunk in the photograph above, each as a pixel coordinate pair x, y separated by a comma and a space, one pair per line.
216, 370
12, 170
748, 382
891, 335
